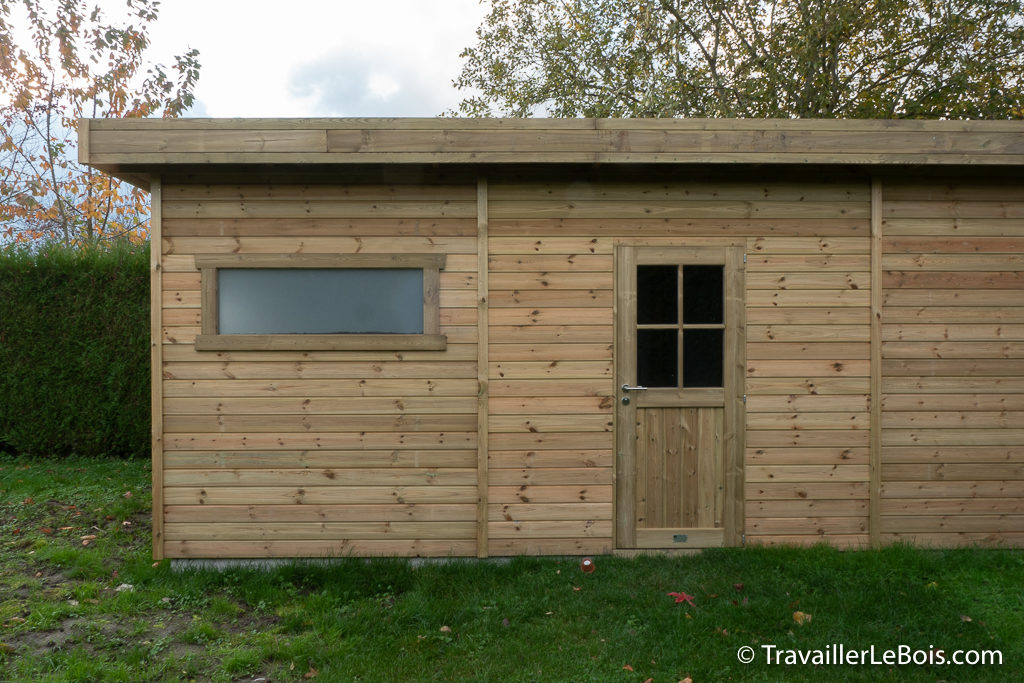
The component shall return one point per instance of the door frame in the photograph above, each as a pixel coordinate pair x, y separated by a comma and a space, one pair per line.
627, 257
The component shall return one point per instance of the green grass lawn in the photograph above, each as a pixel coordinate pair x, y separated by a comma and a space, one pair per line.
81, 599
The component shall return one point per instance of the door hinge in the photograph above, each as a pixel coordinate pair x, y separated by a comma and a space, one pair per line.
743, 539
744, 258
744, 399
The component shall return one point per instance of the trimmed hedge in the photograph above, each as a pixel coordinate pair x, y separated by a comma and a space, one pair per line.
74, 351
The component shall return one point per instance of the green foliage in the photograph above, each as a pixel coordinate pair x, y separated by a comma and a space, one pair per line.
957, 59
74, 351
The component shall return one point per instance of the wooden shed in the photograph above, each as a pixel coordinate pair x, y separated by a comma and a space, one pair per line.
442, 337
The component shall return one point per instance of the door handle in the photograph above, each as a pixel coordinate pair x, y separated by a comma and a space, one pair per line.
626, 387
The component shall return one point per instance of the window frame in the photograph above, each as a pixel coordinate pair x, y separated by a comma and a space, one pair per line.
210, 339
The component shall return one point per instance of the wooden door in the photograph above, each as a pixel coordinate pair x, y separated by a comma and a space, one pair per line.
679, 374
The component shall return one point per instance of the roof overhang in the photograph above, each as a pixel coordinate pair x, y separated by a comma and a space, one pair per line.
134, 149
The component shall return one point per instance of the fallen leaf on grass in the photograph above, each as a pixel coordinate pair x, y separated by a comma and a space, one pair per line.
446, 629
577, 588
128, 494
312, 673
65, 528
686, 680
88, 537
17, 620
28, 501
628, 667
47, 530
649, 680
682, 597
801, 618
965, 618
738, 587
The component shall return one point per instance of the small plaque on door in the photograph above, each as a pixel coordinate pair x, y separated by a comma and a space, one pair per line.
679, 538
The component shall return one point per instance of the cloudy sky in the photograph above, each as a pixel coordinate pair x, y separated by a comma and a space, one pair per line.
319, 57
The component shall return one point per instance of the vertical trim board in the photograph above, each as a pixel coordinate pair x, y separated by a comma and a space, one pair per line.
483, 392
156, 364
875, 449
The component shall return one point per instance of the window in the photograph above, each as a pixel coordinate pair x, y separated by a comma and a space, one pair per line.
328, 301
680, 326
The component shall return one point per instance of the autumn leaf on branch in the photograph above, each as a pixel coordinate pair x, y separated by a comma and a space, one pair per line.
72, 63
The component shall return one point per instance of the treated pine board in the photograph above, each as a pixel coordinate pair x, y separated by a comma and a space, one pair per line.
302, 531
953, 506
459, 347
504, 547
952, 489
799, 263
516, 370
318, 245
690, 228
953, 297
974, 471
554, 512
966, 190
483, 360
319, 495
307, 388
808, 316
957, 349
816, 438
774, 386
806, 509
320, 549
953, 262
591, 528
558, 405
951, 385
988, 280
810, 245
963, 403
954, 209
778, 350
950, 333
981, 539
203, 142
953, 523
324, 440
156, 353
932, 227
550, 494
500, 352
551, 263
601, 422
383, 193
318, 208
180, 298
356, 370
551, 458
671, 538
845, 367
589, 476
953, 437
541, 280
550, 334
811, 281
828, 298
820, 526
319, 459
953, 454
551, 316
327, 406
550, 440
258, 513
544, 388
981, 315
679, 191
808, 421
647, 208
411, 476
320, 227
808, 491
806, 456
782, 333
802, 403
564, 298
958, 245
570, 247
840, 541
756, 474
280, 423
998, 367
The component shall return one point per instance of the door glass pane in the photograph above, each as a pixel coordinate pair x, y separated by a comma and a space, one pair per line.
702, 358
656, 292
320, 300
657, 358
702, 295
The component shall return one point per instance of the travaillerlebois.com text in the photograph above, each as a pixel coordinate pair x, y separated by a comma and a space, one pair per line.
841, 655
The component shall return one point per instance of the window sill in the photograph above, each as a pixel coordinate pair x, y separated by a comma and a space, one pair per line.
321, 342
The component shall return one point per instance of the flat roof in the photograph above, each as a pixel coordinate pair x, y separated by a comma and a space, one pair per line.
137, 147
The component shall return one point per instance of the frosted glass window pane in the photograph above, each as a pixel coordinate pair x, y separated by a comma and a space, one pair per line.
320, 300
